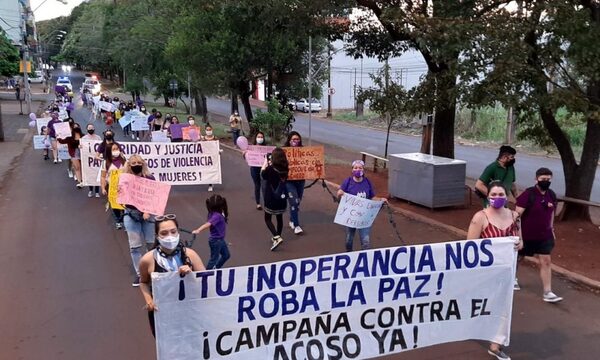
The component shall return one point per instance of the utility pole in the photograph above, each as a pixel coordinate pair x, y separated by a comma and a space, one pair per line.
329, 84
309, 90
26, 77
189, 91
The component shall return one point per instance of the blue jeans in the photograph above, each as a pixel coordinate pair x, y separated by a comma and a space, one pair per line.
138, 233
295, 189
255, 173
235, 133
219, 253
363, 234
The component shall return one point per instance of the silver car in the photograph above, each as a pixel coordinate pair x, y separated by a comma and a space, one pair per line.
302, 105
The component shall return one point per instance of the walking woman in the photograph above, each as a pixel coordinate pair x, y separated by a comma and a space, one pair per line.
259, 140
358, 185
217, 224
113, 162
72, 143
295, 188
496, 221
92, 136
274, 172
168, 254
209, 136
139, 226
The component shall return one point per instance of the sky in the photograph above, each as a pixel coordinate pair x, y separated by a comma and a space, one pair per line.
52, 8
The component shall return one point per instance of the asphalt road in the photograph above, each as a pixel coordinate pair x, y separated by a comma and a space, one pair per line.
373, 141
66, 281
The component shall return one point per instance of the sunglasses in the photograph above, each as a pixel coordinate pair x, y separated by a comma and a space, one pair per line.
165, 217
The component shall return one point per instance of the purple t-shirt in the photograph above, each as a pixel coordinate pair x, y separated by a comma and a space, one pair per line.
217, 225
51, 131
536, 223
362, 189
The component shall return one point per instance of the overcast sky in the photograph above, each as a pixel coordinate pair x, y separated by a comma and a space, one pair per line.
52, 8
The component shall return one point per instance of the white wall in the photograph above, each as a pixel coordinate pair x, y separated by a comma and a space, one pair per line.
10, 12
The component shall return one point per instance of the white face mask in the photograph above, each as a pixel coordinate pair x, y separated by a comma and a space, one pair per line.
260, 140
169, 242
116, 154
209, 133
191, 122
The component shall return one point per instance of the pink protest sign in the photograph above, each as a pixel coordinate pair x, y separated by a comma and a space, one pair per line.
191, 133
255, 155
146, 195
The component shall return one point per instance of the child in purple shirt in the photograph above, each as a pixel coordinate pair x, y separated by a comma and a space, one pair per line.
217, 224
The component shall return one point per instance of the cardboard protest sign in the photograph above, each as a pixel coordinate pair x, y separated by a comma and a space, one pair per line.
63, 130
172, 163
256, 154
307, 162
356, 212
63, 151
191, 133
148, 196
40, 123
125, 120
62, 114
113, 187
139, 122
106, 106
40, 142
356, 305
160, 136
177, 130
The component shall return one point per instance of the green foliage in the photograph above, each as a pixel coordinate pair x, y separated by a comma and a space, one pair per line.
9, 56
272, 122
386, 97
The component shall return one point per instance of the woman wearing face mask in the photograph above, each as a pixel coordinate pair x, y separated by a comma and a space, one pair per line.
496, 221
209, 136
103, 150
139, 226
72, 143
360, 186
274, 173
295, 188
113, 162
168, 254
92, 136
259, 140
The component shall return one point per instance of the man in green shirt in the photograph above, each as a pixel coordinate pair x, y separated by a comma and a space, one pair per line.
502, 170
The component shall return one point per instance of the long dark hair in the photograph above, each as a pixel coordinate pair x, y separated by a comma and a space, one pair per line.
264, 137
292, 133
279, 162
108, 155
217, 203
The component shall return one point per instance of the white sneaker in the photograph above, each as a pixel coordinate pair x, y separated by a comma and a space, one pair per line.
97, 195
79, 185
277, 240
59, 160
291, 224
70, 173
90, 194
551, 297
56, 161
298, 230
210, 188
516, 285
132, 137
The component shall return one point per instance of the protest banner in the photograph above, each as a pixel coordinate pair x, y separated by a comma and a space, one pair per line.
191, 133
356, 212
160, 136
40, 123
307, 162
256, 154
172, 163
113, 187
139, 122
177, 130
148, 196
63, 151
106, 106
39, 142
355, 305
63, 130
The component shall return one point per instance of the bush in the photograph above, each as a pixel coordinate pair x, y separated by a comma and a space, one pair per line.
274, 122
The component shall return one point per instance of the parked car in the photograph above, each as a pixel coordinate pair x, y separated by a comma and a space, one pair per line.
302, 105
37, 77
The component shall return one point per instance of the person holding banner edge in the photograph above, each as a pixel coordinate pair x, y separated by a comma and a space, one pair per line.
139, 226
496, 221
295, 188
358, 185
92, 136
168, 254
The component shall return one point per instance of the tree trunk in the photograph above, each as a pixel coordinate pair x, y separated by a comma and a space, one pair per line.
245, 92
234, 102
166, 98
187, 109
443, 132
200, 102
387, 135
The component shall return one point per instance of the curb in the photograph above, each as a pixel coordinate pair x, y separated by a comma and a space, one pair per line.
569, 275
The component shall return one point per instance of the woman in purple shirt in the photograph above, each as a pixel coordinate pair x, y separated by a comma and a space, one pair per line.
360, 186
217, 223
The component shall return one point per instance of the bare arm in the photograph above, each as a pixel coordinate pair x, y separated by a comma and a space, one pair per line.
145, 280
520, 210
513, 190
479, 185
201, 228
197, 264
476, 226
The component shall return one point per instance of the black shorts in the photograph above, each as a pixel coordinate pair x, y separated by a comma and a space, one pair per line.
543, 247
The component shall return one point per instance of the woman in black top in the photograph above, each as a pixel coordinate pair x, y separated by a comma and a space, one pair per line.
274, 172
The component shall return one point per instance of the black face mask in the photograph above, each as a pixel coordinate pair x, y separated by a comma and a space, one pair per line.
91, 131
544, 184
137, 169
510, 162
108, 137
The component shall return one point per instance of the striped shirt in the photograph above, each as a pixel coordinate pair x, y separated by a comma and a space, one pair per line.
492, 231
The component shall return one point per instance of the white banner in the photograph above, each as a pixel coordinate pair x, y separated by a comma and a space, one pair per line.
160, 136
40, 123
355, 305
106, 106
139, 122
172, 163
63, 151
62, 130
356, 212
41, 142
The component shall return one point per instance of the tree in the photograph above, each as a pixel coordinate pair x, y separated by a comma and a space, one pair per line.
388, 99
546, 59
440, 30
9, 56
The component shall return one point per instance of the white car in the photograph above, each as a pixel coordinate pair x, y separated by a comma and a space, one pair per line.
302, 105
37, 78
93, 84
64, 81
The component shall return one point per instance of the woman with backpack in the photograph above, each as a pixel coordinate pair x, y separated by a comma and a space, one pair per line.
295, 188
274, 173
168, 254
